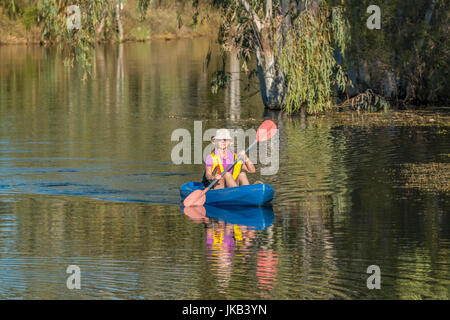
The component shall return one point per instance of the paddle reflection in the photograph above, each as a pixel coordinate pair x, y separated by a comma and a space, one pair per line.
267, 263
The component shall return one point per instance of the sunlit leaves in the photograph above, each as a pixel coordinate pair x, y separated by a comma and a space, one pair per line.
143, 6
308, 58
11, 7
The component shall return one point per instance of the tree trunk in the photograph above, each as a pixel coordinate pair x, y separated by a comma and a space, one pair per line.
428, 16
285, 6
272, 80
119, 20
101, 26
268, 9
390, 85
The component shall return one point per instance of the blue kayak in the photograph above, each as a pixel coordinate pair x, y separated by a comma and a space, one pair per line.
251, 195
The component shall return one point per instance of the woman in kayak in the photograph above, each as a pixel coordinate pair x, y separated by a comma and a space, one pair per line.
221, 158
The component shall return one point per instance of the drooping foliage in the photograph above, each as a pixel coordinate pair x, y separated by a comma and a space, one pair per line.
303, 42
235, 33
13, 8
308, 58
77, 44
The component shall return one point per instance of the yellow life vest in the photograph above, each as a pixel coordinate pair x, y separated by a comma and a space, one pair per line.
218, 162
237, 233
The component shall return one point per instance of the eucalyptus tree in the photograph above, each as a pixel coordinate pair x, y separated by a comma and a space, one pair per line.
293, 42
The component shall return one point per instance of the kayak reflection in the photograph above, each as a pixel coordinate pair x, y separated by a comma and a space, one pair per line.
257, 218
233, 242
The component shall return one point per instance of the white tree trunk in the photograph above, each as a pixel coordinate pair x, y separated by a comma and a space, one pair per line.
272, 80
119, 20
268, 9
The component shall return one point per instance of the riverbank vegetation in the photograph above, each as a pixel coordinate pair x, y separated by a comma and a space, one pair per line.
163, 20
311, 55
76, 31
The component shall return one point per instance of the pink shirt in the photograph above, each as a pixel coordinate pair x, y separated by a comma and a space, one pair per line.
225, 162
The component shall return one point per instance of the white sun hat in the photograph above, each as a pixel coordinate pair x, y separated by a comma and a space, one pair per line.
223, 134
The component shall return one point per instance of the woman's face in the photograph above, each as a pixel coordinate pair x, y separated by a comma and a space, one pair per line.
223, 143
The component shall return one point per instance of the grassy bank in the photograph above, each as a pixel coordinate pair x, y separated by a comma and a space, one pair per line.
13, 31
167, 21
162, 21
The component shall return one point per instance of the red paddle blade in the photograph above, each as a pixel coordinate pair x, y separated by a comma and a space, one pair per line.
195, 199
196, 214
266, 131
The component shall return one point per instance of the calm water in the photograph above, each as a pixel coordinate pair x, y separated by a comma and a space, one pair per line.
86, 179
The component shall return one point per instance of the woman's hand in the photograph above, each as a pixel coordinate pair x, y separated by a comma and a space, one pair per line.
247, 165
218, 177
242, 155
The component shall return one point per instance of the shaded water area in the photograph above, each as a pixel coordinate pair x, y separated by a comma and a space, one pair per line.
86, 179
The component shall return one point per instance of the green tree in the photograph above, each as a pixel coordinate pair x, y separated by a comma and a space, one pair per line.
13, 8
284, 36
407, 59
293, 42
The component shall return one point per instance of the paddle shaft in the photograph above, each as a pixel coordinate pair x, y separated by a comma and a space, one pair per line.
229, 167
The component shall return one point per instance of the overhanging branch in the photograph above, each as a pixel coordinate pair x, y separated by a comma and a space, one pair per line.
253, 14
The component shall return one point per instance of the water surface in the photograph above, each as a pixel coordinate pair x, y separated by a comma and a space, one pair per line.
86, 179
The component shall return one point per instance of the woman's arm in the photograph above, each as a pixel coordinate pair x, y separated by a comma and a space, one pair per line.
208, 170
247, 164
210, 176
209, 173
